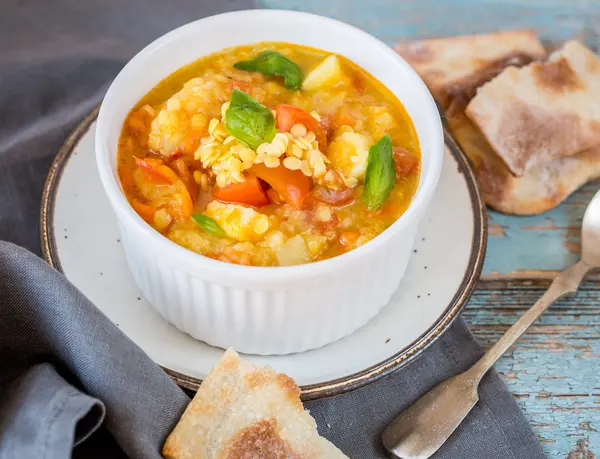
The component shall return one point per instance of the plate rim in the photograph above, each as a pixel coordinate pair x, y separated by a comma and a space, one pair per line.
337, 386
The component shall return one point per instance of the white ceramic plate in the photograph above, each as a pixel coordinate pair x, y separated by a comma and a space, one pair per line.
80, 238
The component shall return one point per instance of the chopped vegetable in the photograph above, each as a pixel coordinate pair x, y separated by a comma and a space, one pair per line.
143, 210
162, 219
271, 63
292, 186
380, 176
288, 115
184, 173
349, 151
249, 192
241, 85
348, 238
274, 197
328, 124
404, 161
209, 225
180, 201
327, 73
294, 252
345, 117
334, 197
249, 121
244, 224
156, 170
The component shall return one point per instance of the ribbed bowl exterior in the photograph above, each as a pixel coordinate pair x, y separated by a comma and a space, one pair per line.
281, 320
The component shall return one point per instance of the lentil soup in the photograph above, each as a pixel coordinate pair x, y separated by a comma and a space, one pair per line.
270, 154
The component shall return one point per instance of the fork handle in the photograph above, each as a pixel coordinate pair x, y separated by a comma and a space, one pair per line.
565, 283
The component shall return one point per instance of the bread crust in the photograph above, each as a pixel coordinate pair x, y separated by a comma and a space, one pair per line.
246, 412
543, 111
544, 185
454, 65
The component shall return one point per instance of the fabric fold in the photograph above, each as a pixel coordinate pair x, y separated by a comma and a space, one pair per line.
43, 416
45, 319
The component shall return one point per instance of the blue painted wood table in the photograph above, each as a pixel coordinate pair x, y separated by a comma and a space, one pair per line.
554, 370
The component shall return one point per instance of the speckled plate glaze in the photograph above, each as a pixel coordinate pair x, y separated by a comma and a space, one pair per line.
80, 238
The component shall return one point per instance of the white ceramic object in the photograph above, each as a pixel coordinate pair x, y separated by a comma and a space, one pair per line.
443, 269
255, 309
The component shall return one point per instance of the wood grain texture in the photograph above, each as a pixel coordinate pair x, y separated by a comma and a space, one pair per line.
554, 370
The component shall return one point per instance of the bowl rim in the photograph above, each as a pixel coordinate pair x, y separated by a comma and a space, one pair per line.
195, 261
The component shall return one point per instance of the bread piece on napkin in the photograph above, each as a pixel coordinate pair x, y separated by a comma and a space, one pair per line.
542, 111
245, 412
458, 65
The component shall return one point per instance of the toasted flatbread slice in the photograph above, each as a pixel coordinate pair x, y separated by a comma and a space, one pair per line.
543, 111
455, 66
539, 189
245, 412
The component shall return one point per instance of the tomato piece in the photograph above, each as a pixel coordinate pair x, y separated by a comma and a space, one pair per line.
334, 197
345, 117
293, 186
288, 115
249, 192
348, 238
404, 161
157, 171
181, 202
143, 210
241, 85
328, 124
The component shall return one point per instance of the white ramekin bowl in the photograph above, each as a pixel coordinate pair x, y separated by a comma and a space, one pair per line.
254, 309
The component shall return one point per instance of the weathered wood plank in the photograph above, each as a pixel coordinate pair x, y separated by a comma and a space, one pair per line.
536, 246
554, 370
390, 19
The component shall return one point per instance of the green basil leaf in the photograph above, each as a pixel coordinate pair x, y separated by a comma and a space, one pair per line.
249, 121
380, 176
209, 225
271, 63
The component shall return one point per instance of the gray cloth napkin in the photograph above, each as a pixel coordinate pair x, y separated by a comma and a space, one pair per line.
64, 368
69, 379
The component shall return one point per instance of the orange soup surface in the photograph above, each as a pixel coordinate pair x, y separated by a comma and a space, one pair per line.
269, 154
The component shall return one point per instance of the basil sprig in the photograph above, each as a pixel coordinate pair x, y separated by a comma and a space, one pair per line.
271, 63
380, 176
209, 225
249, 121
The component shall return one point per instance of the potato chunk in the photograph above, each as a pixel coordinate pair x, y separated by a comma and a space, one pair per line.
328, 73
241, 223
349, 151
294, 252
